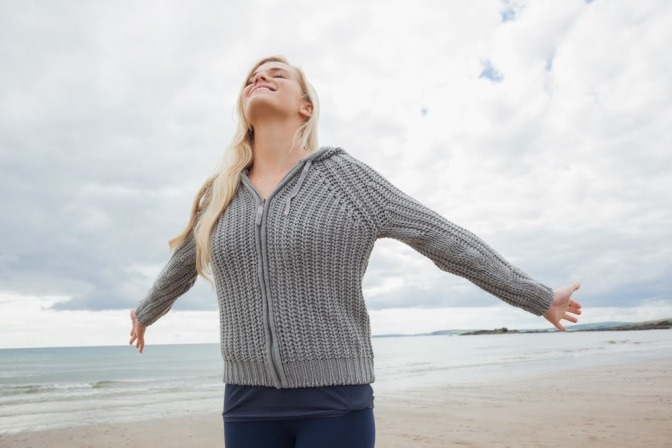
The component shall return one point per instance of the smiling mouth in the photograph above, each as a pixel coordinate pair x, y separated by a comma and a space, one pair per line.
262, 88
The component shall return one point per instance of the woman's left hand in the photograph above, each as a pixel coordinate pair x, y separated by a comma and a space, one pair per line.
563, 307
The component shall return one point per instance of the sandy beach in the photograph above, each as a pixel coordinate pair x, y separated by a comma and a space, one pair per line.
621, 405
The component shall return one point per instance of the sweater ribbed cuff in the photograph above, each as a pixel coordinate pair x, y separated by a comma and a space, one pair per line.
541, 302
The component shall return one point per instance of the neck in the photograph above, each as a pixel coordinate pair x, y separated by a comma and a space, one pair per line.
273, 151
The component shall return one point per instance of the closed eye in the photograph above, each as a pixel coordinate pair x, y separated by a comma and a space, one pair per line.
277, 74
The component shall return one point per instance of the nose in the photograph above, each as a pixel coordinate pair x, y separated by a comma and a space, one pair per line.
258, 76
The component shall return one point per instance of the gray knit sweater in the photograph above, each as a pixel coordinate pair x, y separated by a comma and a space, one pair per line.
288, 271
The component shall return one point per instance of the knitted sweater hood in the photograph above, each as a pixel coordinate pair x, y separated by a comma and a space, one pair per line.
288, 271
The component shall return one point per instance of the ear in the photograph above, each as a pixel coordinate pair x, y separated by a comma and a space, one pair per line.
306, 110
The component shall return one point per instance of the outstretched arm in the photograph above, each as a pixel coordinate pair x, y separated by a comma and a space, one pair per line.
176, 278
453, 248
563, 307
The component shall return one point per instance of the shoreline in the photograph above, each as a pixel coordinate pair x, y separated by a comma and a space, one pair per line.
616, 405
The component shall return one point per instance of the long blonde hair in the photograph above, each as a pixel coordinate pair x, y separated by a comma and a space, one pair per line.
219, 189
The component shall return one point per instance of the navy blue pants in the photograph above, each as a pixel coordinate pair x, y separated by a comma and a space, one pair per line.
353, 430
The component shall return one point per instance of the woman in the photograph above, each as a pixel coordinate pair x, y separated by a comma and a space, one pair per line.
285, 230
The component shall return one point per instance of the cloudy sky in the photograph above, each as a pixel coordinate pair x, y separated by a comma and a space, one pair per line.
544, 127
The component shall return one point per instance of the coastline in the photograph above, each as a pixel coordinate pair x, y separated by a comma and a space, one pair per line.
617, 405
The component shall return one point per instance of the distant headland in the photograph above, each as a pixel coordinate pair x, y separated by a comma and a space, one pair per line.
658, 324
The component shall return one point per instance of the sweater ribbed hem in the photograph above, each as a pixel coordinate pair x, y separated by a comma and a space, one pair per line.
314, 373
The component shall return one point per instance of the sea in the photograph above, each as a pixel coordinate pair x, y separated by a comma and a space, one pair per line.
43, 388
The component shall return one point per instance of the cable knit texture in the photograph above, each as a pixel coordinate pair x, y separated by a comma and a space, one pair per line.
288, 271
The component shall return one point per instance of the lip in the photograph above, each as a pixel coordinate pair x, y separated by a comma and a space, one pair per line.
262, 86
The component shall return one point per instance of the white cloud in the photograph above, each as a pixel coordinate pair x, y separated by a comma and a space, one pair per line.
29, 321
111, 115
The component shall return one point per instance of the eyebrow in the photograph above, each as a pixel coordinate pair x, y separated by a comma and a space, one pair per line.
272, 69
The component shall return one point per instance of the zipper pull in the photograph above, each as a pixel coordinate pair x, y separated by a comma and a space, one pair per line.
260, 210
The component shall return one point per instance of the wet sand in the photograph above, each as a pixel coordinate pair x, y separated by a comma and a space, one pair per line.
622, 405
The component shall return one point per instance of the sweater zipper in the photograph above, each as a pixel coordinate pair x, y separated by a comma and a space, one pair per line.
277, 372
260, 211
261, 233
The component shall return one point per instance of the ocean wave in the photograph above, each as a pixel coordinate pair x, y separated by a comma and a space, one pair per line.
102, 384
33, 393
23, 389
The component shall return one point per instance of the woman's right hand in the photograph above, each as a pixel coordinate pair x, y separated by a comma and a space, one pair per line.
137, 332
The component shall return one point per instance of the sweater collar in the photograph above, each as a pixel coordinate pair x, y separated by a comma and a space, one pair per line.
323, 153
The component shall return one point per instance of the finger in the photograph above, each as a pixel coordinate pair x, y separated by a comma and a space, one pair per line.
570, 318
574, 304
573, 309
142, 345
559, 326
577, 285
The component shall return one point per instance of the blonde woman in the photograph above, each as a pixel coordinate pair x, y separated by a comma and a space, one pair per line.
284, 230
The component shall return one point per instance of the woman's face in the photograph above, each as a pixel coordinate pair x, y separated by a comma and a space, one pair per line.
273, 89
